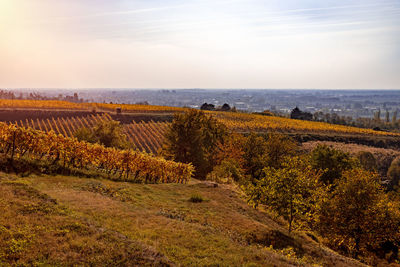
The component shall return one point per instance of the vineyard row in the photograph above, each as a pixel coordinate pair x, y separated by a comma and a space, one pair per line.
146, 136
125, 165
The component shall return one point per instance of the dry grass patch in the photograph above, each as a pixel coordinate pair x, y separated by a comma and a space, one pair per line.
36, 230
221, 231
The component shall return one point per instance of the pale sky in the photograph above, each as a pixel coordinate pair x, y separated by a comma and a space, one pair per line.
333, 44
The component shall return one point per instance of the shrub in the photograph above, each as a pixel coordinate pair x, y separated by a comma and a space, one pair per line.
367, 160
196, 198
107, 133
227, 171
394, 173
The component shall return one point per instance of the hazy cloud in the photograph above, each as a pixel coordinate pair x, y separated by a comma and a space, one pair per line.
203, 43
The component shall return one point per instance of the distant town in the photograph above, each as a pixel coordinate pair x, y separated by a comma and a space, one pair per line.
355, 103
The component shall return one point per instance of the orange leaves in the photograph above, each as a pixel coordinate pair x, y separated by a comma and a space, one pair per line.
130, 165
56, 104
243, 122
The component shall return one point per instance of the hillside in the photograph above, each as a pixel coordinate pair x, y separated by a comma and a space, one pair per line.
69, 220
145, 124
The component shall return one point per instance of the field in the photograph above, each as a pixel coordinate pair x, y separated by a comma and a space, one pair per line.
60, 220
243, 122
145, 125
64, 105
146, 136
235, 121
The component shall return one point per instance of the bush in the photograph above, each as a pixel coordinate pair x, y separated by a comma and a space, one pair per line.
107, 133
196, 198
394, 173
227, 172
367, 161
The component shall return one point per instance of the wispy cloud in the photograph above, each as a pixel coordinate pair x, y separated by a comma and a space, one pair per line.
257, 41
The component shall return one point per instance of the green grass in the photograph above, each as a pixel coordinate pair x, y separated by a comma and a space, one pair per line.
68, 220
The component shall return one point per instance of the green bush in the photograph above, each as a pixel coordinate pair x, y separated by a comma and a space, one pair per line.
196, 198
107, 133
227, 172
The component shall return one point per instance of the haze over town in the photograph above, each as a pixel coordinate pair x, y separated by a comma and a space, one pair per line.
200, 44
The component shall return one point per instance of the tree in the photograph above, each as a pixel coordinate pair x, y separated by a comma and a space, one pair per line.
231, 147
394, 173
377, 116
359, 216
254, 155
331, 161
107, 133
292, 191
192, 137
225, 107
228, 160
278, 147
394, 117
387, 116
206, 106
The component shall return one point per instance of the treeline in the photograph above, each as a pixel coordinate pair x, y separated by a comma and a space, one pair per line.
338, 198
388, 122
4, 94
380, 121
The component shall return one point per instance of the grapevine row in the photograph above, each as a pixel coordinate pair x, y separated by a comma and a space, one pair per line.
146, 136
65, 126
243, 122
65, 105
126, 165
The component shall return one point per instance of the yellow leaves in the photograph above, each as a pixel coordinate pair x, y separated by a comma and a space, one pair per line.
57, 147
258, 123
56, 104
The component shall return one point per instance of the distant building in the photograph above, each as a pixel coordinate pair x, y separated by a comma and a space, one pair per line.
300, 115
206, 106
225, 107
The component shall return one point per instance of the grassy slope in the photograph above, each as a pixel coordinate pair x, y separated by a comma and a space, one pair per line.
73, 220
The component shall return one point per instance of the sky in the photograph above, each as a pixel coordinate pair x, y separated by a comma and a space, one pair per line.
324, 44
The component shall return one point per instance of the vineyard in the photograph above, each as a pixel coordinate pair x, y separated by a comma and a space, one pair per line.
65, 105
242, 122
147, 137
16, 142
